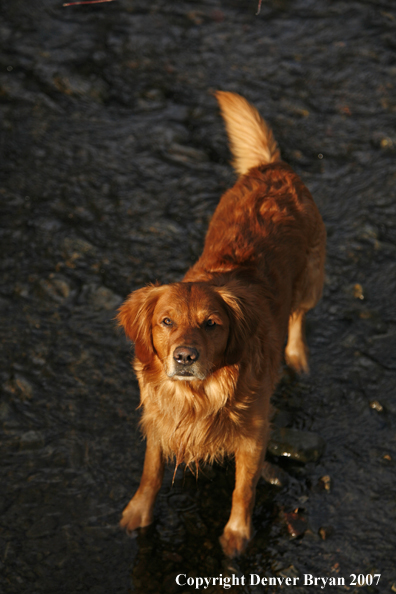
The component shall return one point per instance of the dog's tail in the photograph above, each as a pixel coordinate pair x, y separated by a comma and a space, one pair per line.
251, 140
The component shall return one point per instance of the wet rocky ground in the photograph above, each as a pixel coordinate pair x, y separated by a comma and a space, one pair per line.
113, 158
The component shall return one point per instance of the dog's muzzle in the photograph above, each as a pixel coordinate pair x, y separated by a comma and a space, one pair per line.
184, 363
185, 356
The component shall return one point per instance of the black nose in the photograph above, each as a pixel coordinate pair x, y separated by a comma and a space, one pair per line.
185, 355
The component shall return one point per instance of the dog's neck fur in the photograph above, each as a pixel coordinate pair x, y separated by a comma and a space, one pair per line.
193, 414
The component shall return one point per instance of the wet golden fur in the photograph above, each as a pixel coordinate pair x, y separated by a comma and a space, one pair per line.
208, 349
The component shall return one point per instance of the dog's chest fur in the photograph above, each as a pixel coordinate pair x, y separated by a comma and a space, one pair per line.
197, 421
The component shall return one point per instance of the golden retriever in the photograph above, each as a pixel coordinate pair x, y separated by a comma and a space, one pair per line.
208, 349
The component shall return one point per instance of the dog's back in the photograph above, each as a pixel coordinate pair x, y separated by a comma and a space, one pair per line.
267, 228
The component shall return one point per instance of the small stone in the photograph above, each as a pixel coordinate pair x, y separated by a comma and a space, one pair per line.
32, 440
185, 154
274, 475
296, 523
75, 248
196, 16
56, 289
375, 405
302, 446
20, 387
102, 298
325, 482
325, 532
386, 142
73, 84
358, 291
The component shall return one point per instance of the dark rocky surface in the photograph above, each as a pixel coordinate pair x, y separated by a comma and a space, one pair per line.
113, 158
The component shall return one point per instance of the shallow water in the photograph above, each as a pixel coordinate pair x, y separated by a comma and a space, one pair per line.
113, 158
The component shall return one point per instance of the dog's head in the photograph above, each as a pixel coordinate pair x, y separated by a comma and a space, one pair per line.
193, 328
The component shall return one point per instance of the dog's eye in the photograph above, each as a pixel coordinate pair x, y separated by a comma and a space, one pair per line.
167, 322
210, 324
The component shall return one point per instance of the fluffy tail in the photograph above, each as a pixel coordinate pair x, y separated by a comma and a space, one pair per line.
251, 140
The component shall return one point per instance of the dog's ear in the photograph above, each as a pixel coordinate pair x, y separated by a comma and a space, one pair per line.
242, 322
135, 316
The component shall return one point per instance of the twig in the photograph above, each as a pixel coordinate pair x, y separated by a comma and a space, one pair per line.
86, 2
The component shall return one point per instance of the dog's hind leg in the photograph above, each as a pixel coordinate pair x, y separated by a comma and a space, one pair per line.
296, 352
308, 291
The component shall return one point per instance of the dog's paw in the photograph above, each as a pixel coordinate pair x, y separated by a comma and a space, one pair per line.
297, 359
233, 542
136, 515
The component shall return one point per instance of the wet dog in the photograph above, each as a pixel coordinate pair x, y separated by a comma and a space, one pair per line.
208, 349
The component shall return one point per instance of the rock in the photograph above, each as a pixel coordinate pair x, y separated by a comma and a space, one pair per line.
296, 523
302, 446
56, 288
375, 405
325, 532
274, 475
31, 440
104, 298
20, 387
325, 483
101, 297
186, 155
75, 248
358, 291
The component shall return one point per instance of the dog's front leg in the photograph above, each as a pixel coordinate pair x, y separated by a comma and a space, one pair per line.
139, 511
238, 530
